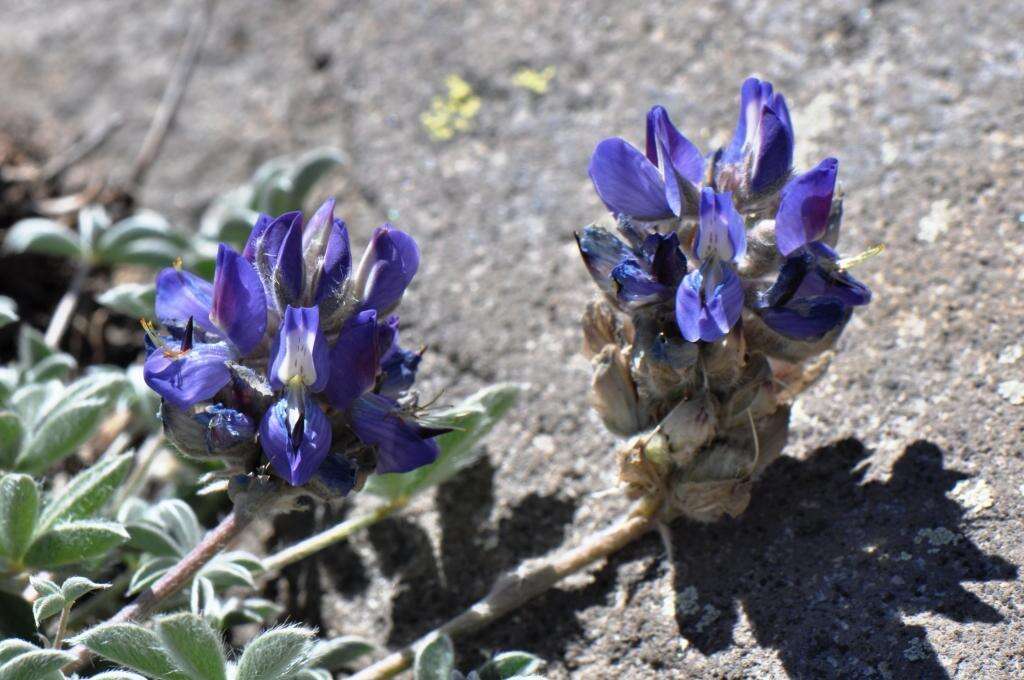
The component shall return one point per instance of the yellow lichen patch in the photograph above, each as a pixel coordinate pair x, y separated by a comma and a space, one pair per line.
535, 81
453, 113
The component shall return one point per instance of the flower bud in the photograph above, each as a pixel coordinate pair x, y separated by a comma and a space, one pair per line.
215, 432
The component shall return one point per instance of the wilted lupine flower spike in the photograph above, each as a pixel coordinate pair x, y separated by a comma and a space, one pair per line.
725, 271
290, 354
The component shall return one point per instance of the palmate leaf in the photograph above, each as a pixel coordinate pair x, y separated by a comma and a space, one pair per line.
43, 236
37, 664
508, 665
11, 434
435, 660
8, 311
69, 418
194, 647
277, 653
132, 646
131, 299
19, 509
470, 421
73, 542
86, 493
340, 653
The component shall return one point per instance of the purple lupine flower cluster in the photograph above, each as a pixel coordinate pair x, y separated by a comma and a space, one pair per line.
724, 268
676, 205
292, 356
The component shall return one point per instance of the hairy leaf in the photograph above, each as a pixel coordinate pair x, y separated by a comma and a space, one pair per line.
435, 660
277, 653
131, 645
19, 508
87, 492
193, 646
73, 542
131, 299
39, 235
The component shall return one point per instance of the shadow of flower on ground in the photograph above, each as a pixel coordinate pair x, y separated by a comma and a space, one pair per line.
825, 566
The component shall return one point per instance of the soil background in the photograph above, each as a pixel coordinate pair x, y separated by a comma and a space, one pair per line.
887, 543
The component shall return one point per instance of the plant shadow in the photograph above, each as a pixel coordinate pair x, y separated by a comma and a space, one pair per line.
473, 552
824, 565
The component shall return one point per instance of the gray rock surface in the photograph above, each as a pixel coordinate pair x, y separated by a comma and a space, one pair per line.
887, 543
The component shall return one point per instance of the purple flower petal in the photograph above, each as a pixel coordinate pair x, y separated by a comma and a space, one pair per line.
773, 151
354, 360
181, 295
338, 473
337, 262
259, 231
627, 182
804, 207
239, 302
295, 455
388, 266
300, 350
398, 371
754, 94
668, 263
707, 308
807, 321
602, 252
288, 269
635, 286
267, 235
678, 158
184, 379
720, 232
402, 443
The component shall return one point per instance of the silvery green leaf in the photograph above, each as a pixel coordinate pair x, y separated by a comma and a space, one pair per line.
339, 653
47, 606
54, 367
131, 299
28, 402
117, 675
149, 571
277, 653
75, 587
36, 665
224, 574
32, 347
73, 542
19, 508
44, 586
70, 420
131, 645
144, 402
12, 648
93, 220
39, 235
9, 376
244, 559
311, 674
470, 421
203, 598
309, 168
8, 311
509, 665
276, 196
229, 219
87, 492
140, 225
11, 434
435, 660
194, 647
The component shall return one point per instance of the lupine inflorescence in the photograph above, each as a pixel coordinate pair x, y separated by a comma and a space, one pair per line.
293, 353
726, 269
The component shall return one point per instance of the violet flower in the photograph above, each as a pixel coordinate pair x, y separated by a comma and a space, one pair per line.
289, 338
709, 299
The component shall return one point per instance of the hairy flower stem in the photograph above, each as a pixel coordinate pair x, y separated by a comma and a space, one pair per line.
517, 588
176, 578
66, 307
340, 532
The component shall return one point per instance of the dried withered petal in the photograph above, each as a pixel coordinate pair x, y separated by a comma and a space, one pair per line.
600, 327
613, 394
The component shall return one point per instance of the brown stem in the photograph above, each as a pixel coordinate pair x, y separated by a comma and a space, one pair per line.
518, 588
174, 580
